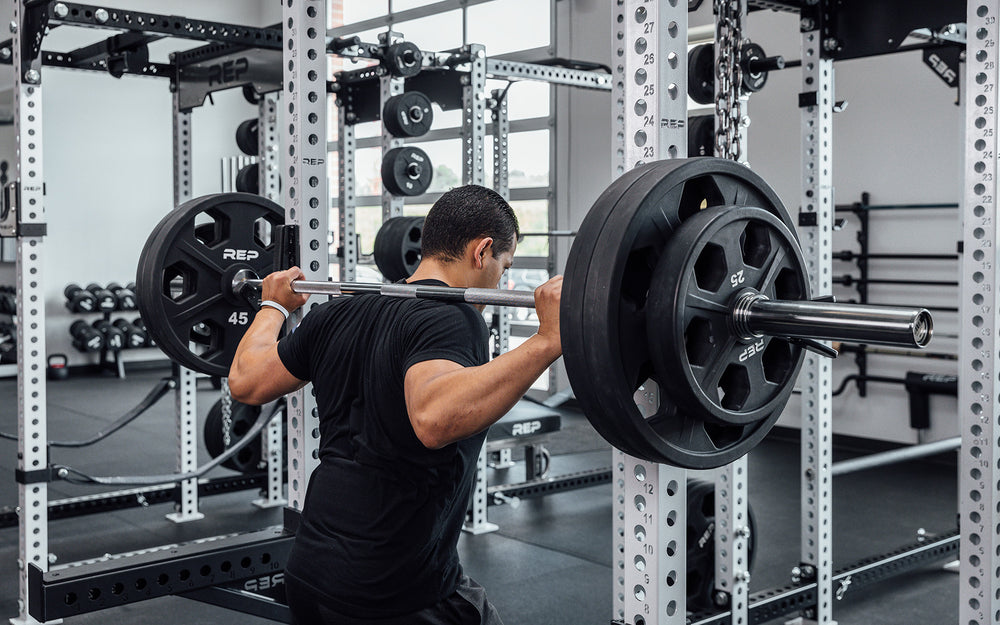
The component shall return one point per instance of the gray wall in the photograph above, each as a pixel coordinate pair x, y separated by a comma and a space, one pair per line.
899, 139
108, 161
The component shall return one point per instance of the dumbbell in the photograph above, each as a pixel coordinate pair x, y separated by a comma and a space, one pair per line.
106, 300
114, 339
79, 300
8, 300
124, 297
141, 325
86, 338
134, 337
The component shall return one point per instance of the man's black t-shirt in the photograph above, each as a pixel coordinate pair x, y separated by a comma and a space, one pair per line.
382, 513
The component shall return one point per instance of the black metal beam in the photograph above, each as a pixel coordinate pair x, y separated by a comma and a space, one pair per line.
548, 486
135, 498
242, 601
82, 587
94, 16
779, 602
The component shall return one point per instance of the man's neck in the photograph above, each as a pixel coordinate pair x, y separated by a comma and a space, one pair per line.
449, 273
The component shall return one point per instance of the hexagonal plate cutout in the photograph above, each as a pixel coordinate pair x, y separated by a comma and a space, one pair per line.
788, 285
755, 243
777, 361
205, 336
699, 341
179, 281
263, 232
710, 269
734, 387
211, 228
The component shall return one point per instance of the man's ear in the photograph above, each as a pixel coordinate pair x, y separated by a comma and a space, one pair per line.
482, 247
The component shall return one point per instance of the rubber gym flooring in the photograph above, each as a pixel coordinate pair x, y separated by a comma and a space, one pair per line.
550, 563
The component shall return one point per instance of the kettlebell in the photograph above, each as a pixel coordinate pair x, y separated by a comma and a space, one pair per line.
56, 369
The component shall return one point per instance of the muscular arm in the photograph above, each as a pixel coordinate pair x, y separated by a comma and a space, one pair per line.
447, 402
257, 374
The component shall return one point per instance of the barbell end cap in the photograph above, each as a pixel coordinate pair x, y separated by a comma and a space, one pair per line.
923, 328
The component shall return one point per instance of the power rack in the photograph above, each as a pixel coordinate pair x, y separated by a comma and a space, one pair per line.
233, 570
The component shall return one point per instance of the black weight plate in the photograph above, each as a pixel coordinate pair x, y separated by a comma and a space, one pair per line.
406, 171
247, 138
246, 460
752, 81
603, 311
184, 279
397, 247
248, 179
701, 73
711, 259
403, 59
701, 135
701, 544
408, 114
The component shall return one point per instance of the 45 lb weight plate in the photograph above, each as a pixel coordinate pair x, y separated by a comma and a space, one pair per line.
186, 269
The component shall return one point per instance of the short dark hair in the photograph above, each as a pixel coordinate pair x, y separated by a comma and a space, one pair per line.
467, 213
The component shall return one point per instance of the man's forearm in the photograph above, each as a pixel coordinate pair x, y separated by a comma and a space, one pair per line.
465, 401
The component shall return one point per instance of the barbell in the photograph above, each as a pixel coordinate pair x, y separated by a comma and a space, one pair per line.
685, 277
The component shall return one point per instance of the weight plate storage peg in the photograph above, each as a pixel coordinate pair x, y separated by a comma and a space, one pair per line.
408, 114
604, 322
397, 247
184, 280
406, 171
247, 137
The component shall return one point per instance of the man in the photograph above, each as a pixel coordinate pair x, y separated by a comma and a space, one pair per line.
405, 391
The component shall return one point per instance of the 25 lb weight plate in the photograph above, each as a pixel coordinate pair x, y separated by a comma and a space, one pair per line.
408, 114
713, 258
184, 281
406, 171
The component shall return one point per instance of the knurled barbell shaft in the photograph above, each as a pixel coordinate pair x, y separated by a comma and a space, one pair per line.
853, 323
489, 297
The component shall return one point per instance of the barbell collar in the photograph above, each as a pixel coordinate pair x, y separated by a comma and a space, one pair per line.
489, 297
853, 323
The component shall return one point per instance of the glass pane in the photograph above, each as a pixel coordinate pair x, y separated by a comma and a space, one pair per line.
368, 171
434, 32
532, 217
357, 10
525, 99
509, 25
446, 157
402, 5
529, 159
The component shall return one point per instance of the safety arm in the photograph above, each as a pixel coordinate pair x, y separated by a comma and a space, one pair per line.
448, 403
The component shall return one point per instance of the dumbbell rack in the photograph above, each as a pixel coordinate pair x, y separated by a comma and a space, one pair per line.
110, 359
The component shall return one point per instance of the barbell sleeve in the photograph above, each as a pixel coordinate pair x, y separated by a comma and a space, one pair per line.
854, 323
490, 297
